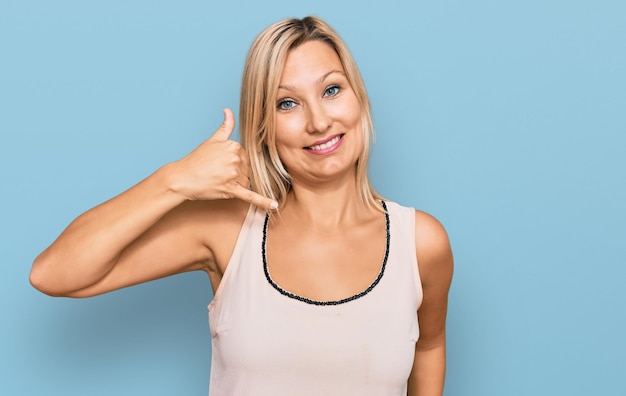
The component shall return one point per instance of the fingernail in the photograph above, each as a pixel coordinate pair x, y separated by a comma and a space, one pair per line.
274, 205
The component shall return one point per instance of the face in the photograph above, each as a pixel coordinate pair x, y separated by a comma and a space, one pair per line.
317, 116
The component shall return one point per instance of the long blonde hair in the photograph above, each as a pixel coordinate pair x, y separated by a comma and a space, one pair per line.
261, 78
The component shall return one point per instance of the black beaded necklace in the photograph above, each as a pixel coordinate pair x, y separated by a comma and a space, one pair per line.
315, 302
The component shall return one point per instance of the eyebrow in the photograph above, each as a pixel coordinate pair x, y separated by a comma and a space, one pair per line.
319, 80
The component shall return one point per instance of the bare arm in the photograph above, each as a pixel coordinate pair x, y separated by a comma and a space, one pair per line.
153, 229
435, 265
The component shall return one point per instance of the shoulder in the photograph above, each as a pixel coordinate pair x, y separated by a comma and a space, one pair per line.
216, 220
221, 224
430, 235
211, 215
432, 248
225, 211
214, 224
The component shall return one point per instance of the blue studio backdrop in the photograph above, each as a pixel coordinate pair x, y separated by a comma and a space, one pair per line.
504, 119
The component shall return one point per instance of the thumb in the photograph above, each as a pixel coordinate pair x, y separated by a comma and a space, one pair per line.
227, 127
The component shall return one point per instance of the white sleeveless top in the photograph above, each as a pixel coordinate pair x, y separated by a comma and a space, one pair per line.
267, 341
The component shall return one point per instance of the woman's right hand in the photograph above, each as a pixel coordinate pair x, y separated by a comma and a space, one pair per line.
154, 229
217, 169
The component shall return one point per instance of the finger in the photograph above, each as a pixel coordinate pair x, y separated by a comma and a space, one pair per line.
244, 169
244, 181
227, 127
245, 158
254, 198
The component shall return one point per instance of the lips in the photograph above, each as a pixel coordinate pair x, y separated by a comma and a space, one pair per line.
325, 145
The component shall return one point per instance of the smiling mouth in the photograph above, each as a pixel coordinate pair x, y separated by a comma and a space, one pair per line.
325, 145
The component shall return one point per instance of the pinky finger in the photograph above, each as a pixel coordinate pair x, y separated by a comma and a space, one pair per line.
254, 198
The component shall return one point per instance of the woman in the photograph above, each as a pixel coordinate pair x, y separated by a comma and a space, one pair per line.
316, 278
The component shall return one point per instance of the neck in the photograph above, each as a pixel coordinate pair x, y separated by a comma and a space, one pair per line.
330, 207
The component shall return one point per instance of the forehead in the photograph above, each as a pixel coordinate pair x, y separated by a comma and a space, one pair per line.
310, 61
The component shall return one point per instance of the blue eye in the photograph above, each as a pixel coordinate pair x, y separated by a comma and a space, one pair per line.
333, 90
286, 104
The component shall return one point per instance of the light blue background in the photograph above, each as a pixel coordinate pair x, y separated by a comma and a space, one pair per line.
505, 119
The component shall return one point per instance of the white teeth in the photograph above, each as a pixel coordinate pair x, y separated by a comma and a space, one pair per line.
326, 145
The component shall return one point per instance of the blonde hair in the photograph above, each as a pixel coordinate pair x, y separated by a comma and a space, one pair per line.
261, 78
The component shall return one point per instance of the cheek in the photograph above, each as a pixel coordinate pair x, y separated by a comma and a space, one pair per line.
288, 128
351, 110
292, 136
286, 141
282, 141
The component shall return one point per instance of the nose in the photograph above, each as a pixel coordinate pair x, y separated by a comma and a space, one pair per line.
319, 120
